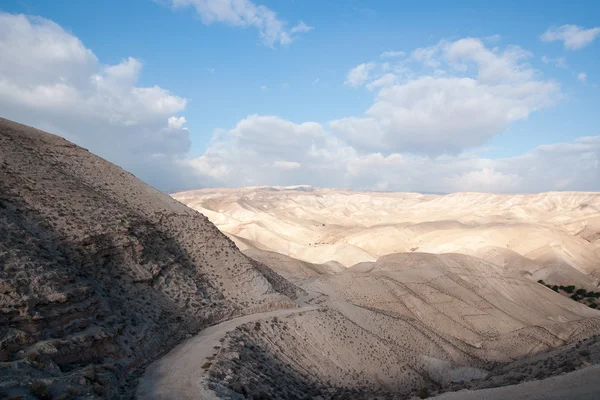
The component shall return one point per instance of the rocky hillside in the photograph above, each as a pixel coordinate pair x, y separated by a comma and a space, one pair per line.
100, 273
408, 324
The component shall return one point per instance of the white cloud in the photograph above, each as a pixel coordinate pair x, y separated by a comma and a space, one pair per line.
493, 39
176, 123
582, 77
574, 37
244, 13
263, 87
301, 28
316, 81
49, 79
473, 94
392, 54
386, 80
359, 74
251, 154
484, 180
287, 164
560, 62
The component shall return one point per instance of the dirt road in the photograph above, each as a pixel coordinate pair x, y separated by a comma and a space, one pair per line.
179, 374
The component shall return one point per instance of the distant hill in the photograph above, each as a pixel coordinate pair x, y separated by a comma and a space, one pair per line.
526, 232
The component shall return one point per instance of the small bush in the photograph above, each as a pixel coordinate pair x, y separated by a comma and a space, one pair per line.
593, 305
40, 390
569, 289
206, 365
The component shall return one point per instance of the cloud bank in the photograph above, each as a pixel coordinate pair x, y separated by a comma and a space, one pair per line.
432, 110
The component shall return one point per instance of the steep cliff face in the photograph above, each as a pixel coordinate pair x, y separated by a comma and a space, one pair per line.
100, 273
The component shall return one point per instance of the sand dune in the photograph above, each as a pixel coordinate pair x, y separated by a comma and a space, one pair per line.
520, 232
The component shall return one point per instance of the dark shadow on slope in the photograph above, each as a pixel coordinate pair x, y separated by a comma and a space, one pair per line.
100, 308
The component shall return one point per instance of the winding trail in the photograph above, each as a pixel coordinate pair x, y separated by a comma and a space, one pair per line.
179, 374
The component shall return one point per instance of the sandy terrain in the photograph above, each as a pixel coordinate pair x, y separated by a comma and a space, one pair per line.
578, 385
523, 232
180, 374
404, 323
100, 273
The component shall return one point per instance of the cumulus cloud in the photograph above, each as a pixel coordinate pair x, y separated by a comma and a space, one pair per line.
392, 54
418, 135
317, 157
301, 28
176, 123
573, 37
582, 77
359, 74
476, 96
560, 62
484, 180
244, 13
50, 80
386, 80
286, 164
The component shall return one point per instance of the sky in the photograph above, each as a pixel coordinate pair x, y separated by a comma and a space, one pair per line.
430, 96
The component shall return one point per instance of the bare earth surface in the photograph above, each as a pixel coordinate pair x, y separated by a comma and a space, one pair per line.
101, 273
179, 374
578, 385
529, 233
400, 294
419, 292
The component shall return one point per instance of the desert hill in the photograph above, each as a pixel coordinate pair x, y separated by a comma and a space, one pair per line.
100, 273
405, 324
339, 294
556, 231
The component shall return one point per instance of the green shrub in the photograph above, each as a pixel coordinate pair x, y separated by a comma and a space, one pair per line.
569, 289
594, 305
206, 365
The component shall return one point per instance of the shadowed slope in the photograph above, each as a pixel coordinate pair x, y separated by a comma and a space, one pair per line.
100, 268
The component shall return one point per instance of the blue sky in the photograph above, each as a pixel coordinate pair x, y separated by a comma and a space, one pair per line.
227, 73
